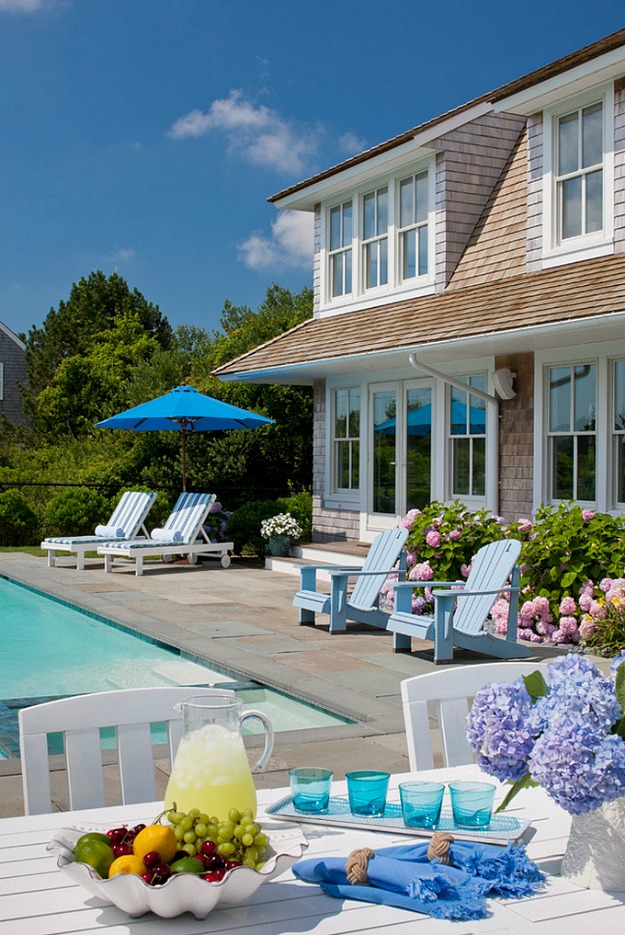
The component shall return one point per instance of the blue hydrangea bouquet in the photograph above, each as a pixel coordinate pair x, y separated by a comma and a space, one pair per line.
566, 734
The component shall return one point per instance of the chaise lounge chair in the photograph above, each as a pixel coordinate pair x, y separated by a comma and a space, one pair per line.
461, 611
362, 604
125, 523
182, 534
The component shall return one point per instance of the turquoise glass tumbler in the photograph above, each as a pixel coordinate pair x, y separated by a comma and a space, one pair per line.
310, 789
472, 803
367, 790
421, 803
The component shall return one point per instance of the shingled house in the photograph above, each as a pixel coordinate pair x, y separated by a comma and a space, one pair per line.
12, 374
468, 336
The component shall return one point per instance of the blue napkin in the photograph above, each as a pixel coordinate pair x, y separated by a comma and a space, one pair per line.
403, 876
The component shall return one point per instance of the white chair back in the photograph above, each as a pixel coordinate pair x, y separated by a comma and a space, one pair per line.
445, 695
79, 718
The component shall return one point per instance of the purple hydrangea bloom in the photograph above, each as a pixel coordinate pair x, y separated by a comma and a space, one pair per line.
577, 690
616, 662
499, 729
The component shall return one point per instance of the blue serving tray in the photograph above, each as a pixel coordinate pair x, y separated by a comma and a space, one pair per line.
501, 830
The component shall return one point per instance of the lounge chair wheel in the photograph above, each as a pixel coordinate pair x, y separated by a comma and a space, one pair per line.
225, 561
167, 559
192, 558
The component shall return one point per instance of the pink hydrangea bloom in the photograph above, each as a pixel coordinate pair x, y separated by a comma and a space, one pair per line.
455, 535
545, 629
587, 627
419, 604
411, 558
433, 538
587, 515
421, 572
585, 602
528, 610
465, 570
216, 507
541, 605
524, 525
605, 584
567, 606
429, 594
587, 588
597, 610
409, 518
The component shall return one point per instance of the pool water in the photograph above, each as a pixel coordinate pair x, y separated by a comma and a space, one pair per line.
51, 649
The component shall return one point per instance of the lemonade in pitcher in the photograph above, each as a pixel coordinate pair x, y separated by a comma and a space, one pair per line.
211, 771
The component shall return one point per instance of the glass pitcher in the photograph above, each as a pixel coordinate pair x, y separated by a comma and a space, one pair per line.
211, 770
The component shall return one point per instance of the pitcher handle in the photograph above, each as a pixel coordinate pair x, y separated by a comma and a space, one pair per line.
268, 734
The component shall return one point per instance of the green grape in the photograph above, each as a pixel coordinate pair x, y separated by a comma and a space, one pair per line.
260, 841
190, 849
189, 837
204, 819
252, 853
234, 815
193, 813
247, 840
201, 829
174, 817
226, 849
239, 831
179, 832
248, 862
186, 824
247, 814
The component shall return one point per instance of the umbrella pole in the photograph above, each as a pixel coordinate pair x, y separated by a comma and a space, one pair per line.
184, 458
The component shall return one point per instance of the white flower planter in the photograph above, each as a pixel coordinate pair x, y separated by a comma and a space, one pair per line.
595, 854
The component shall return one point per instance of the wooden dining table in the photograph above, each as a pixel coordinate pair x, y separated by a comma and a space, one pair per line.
37, 898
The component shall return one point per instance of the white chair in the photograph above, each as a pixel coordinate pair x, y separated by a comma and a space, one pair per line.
448, 691
79, 719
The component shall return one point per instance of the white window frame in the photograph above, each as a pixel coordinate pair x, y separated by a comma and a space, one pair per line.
602, 355
396, 287
376, 240
344, 492
335, 497
343, 250
586, 246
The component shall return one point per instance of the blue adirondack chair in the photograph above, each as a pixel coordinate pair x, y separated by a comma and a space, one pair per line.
459, 616
362, 604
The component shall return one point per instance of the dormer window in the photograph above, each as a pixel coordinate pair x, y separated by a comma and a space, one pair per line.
413, 226
341, 249
579, 173
375, 238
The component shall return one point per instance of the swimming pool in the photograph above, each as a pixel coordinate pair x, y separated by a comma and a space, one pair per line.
52, 649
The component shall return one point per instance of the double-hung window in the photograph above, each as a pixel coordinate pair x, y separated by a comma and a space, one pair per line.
341, 249
579, 176
375, 238
618, 432
467, 438
413, 226
346, 438
572, 434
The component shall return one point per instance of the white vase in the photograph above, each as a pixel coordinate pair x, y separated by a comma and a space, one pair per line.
595, 854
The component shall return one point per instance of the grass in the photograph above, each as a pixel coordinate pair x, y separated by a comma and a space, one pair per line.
28, 549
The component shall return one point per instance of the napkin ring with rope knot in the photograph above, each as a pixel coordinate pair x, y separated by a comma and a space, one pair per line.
358, 861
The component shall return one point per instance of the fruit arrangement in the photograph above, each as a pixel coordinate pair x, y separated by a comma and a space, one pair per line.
192, 843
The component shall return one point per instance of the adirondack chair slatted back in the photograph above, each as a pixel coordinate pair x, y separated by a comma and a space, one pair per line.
492, 566
79, 719
382, 555
188, 514
130, 512
442, 700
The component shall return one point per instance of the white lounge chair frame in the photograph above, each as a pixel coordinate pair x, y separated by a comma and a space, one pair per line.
186, 518
129, 515
79, 718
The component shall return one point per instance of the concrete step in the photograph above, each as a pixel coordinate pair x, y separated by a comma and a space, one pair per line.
319, 553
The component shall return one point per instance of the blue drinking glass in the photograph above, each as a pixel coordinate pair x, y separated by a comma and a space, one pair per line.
421, 803
310, 788
472, 803
367, 790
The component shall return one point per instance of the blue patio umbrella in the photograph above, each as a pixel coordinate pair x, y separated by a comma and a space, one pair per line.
184, 410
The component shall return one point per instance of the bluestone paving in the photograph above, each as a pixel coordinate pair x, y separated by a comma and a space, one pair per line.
241, 621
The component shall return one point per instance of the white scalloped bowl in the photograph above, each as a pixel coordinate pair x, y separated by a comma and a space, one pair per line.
183, 892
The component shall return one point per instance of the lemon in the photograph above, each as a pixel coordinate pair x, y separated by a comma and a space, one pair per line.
129, 863
96, 854
159, 838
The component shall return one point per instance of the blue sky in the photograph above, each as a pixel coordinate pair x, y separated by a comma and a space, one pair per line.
145, 136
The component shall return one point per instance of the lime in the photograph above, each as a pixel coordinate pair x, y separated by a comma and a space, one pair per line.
94, 836
96, 854
188, 865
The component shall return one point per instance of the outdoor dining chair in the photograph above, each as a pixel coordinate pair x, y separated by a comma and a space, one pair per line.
79, 719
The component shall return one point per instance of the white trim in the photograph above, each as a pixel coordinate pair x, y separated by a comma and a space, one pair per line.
13, 336
588, 245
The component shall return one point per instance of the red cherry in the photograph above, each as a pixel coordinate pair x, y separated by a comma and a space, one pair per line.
231, 864
120, 850
213, 861
138, 828
161, 869
207, 848
151, 859
147, 876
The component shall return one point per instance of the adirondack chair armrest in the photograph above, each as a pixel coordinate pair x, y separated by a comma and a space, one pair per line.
308, 574
363, 574
507, 590
430, 584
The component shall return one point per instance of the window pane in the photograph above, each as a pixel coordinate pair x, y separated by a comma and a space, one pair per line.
347, 226
479, 467
409, 268
585, 467
355, 465
461, 450
406, 202
568, 152
423, 251
335, 228
384, 415
559, 399
477, 416
354, 413
348, 271
419, 436
337, 274
620, 469
592, 135
371, 263
562, 468
368, 216
382, 224
422, 196
340, 414
342, 465
383, 262
584, 398
458, 416
571, 192
594, 202
619, 395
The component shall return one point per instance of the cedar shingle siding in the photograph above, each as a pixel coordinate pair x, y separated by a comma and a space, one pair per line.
14, 373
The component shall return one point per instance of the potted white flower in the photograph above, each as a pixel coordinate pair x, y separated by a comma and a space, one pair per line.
280, 531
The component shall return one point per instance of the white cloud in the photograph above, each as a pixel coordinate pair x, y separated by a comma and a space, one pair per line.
124, 254
31, 6
256, 133
350, 144
289, 246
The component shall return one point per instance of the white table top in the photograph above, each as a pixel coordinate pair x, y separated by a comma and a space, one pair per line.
38, 899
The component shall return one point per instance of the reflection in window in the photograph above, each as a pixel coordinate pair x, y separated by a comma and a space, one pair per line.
341, 249
375, 238
618, 430
347, 438
467, 431
413, 226
418, 447
384, 437
579, 172
572, 432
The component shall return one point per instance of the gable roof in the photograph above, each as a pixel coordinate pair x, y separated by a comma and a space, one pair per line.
562, 296
554, 69
11, 334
